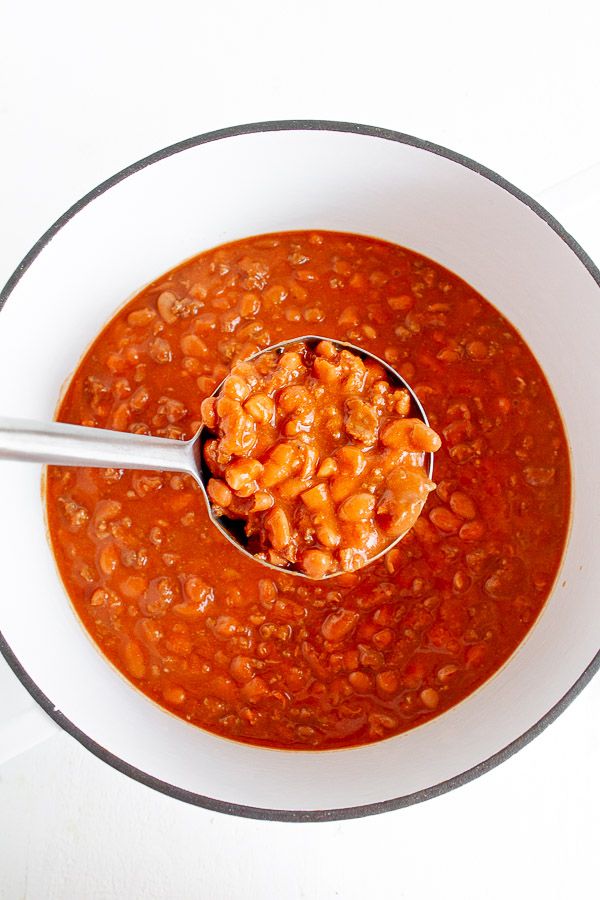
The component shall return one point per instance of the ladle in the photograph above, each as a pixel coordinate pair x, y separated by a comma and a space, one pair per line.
59, 444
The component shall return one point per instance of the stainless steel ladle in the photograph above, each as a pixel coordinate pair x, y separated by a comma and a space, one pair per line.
77, 445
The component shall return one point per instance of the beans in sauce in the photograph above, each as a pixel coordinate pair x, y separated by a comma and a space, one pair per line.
260, 656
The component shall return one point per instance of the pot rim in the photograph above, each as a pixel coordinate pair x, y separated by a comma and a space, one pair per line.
284, 815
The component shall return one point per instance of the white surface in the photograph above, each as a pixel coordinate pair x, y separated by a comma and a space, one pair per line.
92, 89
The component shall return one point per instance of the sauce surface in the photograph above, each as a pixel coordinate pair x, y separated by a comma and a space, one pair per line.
260, 656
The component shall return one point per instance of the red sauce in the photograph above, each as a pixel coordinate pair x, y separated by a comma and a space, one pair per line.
261, 656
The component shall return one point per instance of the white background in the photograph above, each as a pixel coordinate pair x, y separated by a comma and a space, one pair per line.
86, 89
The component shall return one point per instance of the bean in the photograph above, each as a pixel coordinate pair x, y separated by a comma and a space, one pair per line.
133, 659
387, 682
267, 590
263, 500
446, 672
249, 305
219, 493
342, 267
316, 498
275, 294
397, 433
444, 519
326, 349
239, 473
462, 505
293, 398
120, 418
235, 388
402, 303
472, 531
139, 399
477, 350
166, 303
160, 351
179, 644
192, 345
100, 597
278, 528
274, 473
204, 323
316, 563
328, 535
239, 436
357, 508
254, 691
291, 361
306, 275
361, 682
326, 371
227, 406
280, 464
425, 438
242, 668
402, 403
393, 560
116, 363
197, 590
327, 468
448, 355
134, 586
341, 486
349, 316
370, 658
475, 654
339, 625
429, 697
444, 490
351, 460
149, 630
299, 424
461, 581
207, 384
369, 332
208, 411
313, 314
174, 695
109, 558
141, 317
260, 407
292, 488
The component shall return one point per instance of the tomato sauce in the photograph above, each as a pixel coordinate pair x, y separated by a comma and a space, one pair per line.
261, 656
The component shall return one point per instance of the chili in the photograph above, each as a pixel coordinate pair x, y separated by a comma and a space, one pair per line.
262, 656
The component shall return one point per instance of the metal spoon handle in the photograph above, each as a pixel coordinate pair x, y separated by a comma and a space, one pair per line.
77, 445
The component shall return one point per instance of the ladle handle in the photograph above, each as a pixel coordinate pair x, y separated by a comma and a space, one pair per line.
77, 445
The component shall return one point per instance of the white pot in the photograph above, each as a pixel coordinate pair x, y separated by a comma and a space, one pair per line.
276, 177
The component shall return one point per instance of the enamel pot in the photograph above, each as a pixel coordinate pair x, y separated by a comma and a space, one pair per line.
281, 176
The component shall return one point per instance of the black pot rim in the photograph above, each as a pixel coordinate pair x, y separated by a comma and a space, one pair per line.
283, 815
